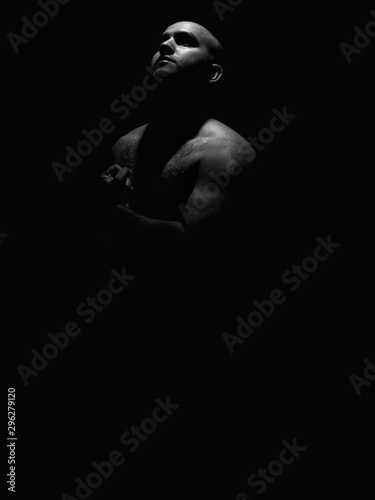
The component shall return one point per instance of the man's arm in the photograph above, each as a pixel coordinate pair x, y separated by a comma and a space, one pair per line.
220, 173
220, 176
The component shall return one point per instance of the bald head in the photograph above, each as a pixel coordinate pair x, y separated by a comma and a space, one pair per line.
186, 46
206, 37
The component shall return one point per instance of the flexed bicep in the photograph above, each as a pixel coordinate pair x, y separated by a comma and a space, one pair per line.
219, 182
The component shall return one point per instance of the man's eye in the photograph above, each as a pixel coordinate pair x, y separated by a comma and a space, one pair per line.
185, 40
187, 43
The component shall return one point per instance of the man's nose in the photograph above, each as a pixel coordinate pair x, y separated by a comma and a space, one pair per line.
166, 48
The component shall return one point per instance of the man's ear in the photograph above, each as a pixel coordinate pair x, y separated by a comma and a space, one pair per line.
216, 73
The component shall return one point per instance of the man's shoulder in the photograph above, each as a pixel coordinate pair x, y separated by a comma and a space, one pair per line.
213, 127
226, 142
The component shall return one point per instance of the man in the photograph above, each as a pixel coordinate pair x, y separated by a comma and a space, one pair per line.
182, 171
176, 182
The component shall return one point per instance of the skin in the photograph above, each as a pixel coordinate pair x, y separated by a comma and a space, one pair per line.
162, 168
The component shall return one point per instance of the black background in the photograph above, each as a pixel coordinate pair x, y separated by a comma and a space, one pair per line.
163, 336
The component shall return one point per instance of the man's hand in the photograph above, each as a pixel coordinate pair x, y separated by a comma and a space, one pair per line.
117, 185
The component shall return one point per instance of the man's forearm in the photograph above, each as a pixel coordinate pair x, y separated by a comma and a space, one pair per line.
147, 226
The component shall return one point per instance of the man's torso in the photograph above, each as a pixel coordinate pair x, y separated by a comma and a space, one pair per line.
164, 173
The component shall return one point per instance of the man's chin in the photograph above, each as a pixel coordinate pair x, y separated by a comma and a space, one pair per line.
164, 71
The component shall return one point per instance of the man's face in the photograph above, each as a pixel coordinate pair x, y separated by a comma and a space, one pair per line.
183, 47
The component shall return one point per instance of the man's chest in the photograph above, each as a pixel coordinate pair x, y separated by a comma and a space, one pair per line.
162, 177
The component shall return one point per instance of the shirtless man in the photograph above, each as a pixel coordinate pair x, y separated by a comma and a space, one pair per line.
182, 170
